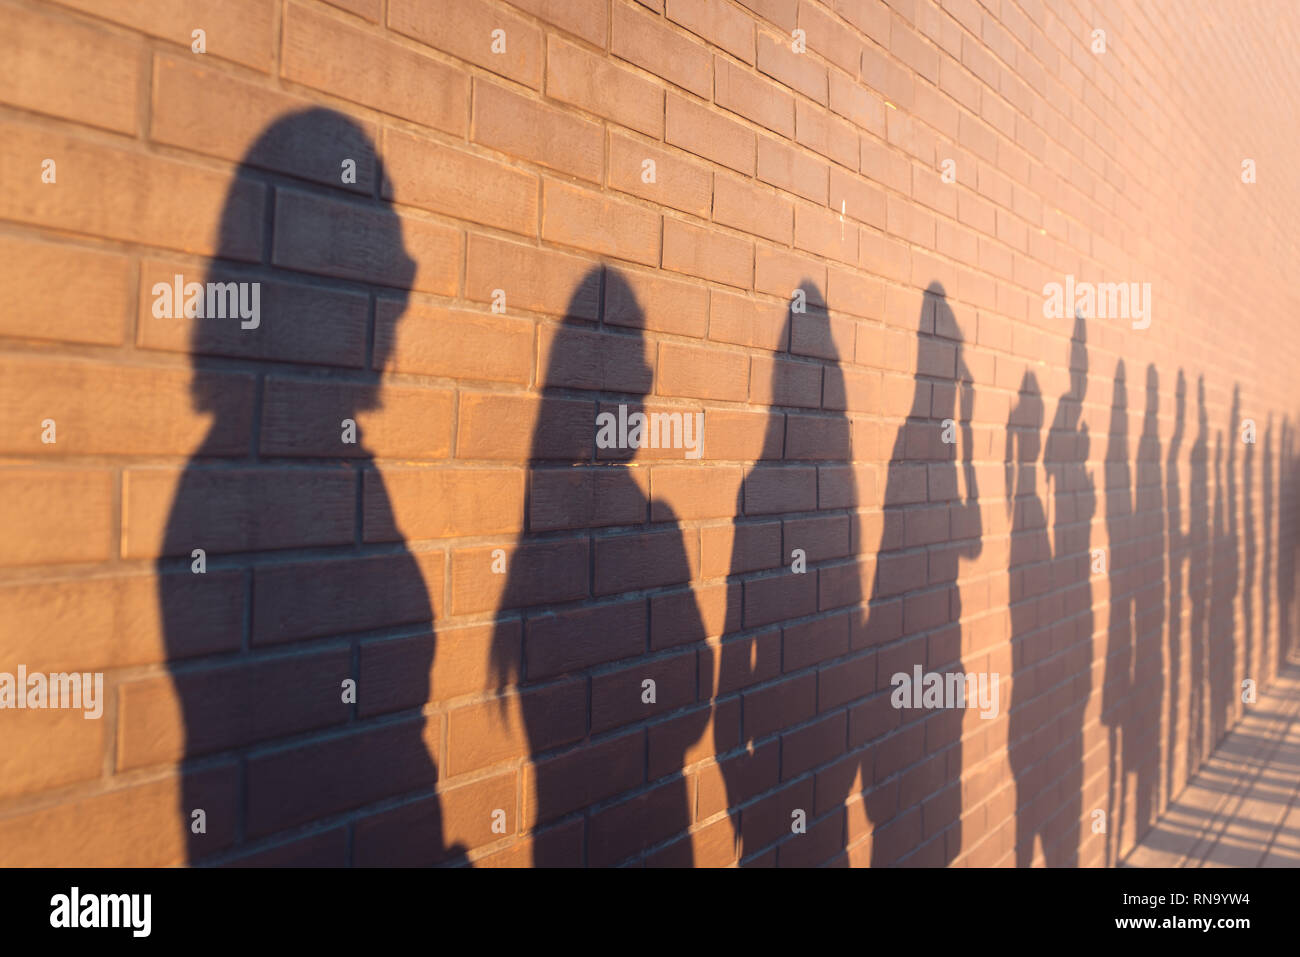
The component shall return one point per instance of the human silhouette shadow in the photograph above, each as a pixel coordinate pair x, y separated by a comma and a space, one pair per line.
1116, 693
1198, 583
1267, 561
924, 483
272, 512
1225, 581
1142, 744
801, 493
1288, 464
1177, 550
599, 497
1046, 720
1030, 727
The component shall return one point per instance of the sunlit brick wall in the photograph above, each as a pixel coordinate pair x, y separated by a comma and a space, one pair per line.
462, 627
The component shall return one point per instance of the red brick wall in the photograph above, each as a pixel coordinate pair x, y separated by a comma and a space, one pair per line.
512, 681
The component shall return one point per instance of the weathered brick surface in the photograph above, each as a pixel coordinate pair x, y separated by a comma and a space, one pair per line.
830, 245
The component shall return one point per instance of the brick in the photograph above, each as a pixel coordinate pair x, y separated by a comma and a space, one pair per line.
644, 560
630, 827
585, 18
61, 288
702, 373
589, 82
52, 748
792, 170
335, 596
121, 410
719, 23
699, 252
568, 497
824, 233
596, 223
783, 382
752, 97
747, 322
242, 31
821, 131
584, 776
536, 573
642, 300
696, 491
466, 28
652, 45
617, 697
741, 205
172, 511
127, 826
518, 427
72, 70
798, 71
779, 272
516, 726
679, 182
367, 243
533, 279
303, 418
335, 57
428, 174
400, 504
296, 322
706, 133
829, 37
433, 830
405, 672
457, 343
294, 785
571, 640
123, 620
225, 707
119, 194
270, 130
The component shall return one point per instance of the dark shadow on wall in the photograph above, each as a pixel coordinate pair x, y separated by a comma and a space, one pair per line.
1052, 680
1142, 743
589, 507
1288, 465
931, 497
301, 494
1177, 549
788, 610
1226, 581
1116, 693
1198, 583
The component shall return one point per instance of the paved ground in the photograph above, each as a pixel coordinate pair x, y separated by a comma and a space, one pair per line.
1243, 808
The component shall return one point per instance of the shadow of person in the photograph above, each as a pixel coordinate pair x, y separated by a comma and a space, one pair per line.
794, 535
1198, 531
1225, 579
1049, 792
1030, 733
588, 496
287, 518
1177, 550
928, 502
1117, 687
1142, 744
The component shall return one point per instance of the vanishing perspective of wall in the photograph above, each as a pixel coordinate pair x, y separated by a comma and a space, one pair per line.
539, 432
